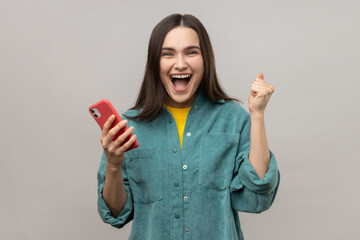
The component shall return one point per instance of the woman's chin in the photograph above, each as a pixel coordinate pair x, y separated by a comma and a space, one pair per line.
181, 100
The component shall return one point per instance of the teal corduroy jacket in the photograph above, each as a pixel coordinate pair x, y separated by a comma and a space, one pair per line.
194, 192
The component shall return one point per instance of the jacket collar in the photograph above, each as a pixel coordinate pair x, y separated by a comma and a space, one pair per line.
202, 98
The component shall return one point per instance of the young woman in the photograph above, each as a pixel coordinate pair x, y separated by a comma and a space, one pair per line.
202, 157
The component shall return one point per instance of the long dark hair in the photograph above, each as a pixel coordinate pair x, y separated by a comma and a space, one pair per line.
152, 93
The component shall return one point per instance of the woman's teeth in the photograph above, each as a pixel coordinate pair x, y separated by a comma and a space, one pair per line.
180, 76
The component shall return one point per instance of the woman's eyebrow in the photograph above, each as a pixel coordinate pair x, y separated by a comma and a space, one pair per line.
167, 48
187, 48
191, 47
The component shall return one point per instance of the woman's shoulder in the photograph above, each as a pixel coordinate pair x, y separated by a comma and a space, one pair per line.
130, 113
234, 108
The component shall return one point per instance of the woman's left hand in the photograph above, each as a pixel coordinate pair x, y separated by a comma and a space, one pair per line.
260, 94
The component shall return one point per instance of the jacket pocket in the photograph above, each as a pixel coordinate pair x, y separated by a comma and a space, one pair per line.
144, 172
217, 159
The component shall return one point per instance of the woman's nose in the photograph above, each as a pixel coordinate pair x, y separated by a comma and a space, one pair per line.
180, 63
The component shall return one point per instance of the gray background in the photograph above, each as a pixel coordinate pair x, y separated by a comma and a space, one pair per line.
58, 57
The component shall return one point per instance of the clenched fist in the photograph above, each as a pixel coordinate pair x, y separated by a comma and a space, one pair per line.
260, 94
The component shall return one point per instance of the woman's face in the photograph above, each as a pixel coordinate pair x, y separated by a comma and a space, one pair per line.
181, 66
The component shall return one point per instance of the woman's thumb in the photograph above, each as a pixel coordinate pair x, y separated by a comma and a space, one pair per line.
261, 75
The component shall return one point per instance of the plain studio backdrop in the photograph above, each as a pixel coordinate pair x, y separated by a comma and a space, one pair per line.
58, 57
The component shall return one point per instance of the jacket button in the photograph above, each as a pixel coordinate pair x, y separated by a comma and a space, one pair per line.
174, 150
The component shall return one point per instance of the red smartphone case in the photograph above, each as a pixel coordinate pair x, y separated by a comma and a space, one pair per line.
101, 111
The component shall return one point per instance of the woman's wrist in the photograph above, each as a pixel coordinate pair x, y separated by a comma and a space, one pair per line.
257, 115
113, 169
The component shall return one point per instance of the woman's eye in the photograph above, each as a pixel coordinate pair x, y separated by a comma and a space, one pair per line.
165, 54
192, 52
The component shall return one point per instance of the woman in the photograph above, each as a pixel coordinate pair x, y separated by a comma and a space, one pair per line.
187, 181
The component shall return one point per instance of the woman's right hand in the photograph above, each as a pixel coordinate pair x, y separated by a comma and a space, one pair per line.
115, 154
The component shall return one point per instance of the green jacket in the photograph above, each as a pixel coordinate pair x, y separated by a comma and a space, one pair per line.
194, 192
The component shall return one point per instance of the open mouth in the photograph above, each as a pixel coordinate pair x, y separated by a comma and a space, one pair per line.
180, 81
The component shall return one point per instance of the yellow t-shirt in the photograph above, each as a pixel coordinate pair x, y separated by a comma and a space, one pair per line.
180, 115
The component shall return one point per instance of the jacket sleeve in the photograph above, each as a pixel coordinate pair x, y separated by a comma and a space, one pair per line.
248, 192
127, 213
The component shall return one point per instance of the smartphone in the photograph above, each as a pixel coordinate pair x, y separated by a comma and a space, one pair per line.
101, 111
